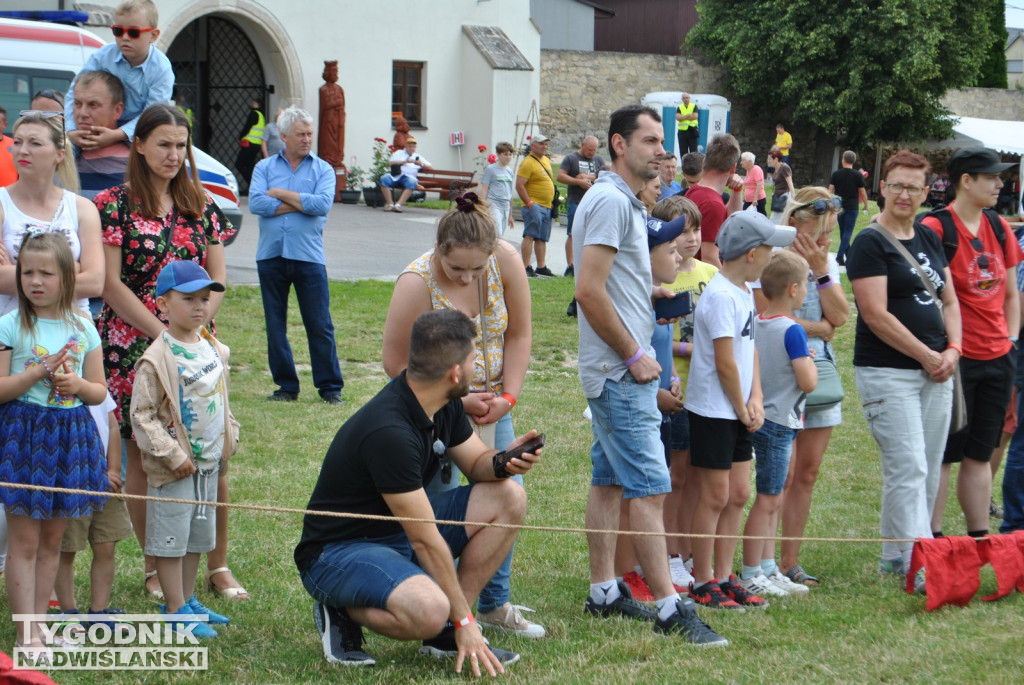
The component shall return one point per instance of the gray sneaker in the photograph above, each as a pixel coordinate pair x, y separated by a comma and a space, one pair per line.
625, 605
686, 623
342, 638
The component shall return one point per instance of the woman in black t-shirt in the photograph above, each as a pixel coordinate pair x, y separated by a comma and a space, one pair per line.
906, 351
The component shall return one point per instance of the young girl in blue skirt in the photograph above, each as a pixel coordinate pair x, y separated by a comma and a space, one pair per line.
50, 367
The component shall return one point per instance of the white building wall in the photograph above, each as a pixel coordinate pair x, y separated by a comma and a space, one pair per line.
294, 37
564, 24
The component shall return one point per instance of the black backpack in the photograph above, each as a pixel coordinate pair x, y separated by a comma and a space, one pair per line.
950, 238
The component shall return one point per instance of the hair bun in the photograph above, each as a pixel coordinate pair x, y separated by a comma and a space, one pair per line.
467, 202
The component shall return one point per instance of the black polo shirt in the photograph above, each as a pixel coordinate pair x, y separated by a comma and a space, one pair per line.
385, 447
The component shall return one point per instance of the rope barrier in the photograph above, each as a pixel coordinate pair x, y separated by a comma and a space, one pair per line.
400, 519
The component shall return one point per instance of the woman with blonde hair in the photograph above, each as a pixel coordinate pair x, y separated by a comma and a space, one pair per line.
472, 270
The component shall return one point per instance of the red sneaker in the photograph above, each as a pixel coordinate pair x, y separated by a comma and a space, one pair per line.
638, 586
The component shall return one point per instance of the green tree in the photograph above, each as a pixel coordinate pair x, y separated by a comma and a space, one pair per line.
993, 66
865, 70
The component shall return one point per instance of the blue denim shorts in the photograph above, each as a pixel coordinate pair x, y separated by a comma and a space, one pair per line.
680, 431
773, 445
403, 181
537, 222
364, 573
627, 450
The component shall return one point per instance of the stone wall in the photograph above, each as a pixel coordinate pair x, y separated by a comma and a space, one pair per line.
984, 103
580, 89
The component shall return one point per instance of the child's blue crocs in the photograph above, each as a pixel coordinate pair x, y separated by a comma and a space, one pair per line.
200, 608
200, 630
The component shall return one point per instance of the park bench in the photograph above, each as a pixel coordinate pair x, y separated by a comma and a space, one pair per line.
445, 183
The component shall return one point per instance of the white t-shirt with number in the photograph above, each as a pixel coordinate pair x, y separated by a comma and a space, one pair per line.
200, 379
723, 311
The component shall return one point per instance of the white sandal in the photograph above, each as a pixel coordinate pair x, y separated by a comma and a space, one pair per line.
158, 593
239, 593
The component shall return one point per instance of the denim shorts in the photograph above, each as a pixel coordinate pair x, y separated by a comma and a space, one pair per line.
364, 573
627, 450
403, 181
537, 222
680, 431
570, 215
773, 445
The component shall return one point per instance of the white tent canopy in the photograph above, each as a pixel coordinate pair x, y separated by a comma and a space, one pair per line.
1000, 135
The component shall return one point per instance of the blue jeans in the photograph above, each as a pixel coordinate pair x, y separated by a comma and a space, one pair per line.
627, 450
847, 222
277, 276
773, 445
498, 589
1013, 466
570, 215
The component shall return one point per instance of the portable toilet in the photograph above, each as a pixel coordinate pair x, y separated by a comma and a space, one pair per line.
713, 115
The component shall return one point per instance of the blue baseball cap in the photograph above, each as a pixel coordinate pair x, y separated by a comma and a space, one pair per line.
660, 232
185, 276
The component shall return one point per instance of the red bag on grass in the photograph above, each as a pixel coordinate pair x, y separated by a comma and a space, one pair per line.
952, 568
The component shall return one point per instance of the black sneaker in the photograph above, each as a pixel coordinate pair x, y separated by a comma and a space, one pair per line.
625, 605
333, 398
570, 272
342, 638
741, 595
530, 272
544, 272
283, 396
711, 596
443, 646
571, 309
686, 623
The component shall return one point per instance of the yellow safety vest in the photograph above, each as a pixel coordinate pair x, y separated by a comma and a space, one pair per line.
687, 124
255, 134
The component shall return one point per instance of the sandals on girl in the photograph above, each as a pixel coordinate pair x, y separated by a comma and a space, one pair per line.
239, 593
158, 592
798, 575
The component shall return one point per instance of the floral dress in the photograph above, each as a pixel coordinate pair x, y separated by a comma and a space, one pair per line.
147, 245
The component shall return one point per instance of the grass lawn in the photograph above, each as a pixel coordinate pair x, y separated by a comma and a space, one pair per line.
856, 627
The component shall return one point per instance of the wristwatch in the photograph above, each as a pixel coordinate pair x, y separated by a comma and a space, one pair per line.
824, 280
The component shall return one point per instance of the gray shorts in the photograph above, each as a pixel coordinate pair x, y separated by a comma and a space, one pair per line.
173, 530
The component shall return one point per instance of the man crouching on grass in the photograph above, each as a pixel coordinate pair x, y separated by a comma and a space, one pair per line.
399, 579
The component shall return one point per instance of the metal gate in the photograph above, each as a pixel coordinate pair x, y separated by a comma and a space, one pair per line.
217, 71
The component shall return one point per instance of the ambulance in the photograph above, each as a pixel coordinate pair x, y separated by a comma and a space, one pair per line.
37, 56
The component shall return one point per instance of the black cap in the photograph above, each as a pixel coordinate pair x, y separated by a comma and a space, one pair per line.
975, 160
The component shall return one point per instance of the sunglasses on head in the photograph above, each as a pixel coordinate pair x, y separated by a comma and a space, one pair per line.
979, 247
133, 32
42, 113
821, 205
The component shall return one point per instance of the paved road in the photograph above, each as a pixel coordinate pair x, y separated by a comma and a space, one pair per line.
361, 242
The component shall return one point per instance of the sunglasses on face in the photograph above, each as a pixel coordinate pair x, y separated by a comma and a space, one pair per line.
133, 32
821, 205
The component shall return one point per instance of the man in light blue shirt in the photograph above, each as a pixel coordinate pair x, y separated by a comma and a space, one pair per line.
291, 193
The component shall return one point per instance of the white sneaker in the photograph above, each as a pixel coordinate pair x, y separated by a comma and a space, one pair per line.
680, 575
782, 582
761, 586
509, 619
689, 565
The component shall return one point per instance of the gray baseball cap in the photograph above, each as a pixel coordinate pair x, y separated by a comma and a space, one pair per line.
743, 231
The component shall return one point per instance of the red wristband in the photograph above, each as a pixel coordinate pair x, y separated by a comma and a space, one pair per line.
469, 620
954, 346
508, 398
635, 358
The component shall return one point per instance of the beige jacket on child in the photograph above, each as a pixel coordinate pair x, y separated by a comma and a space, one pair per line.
155, 406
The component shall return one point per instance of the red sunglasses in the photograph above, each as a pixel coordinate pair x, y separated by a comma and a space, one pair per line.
133, 33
